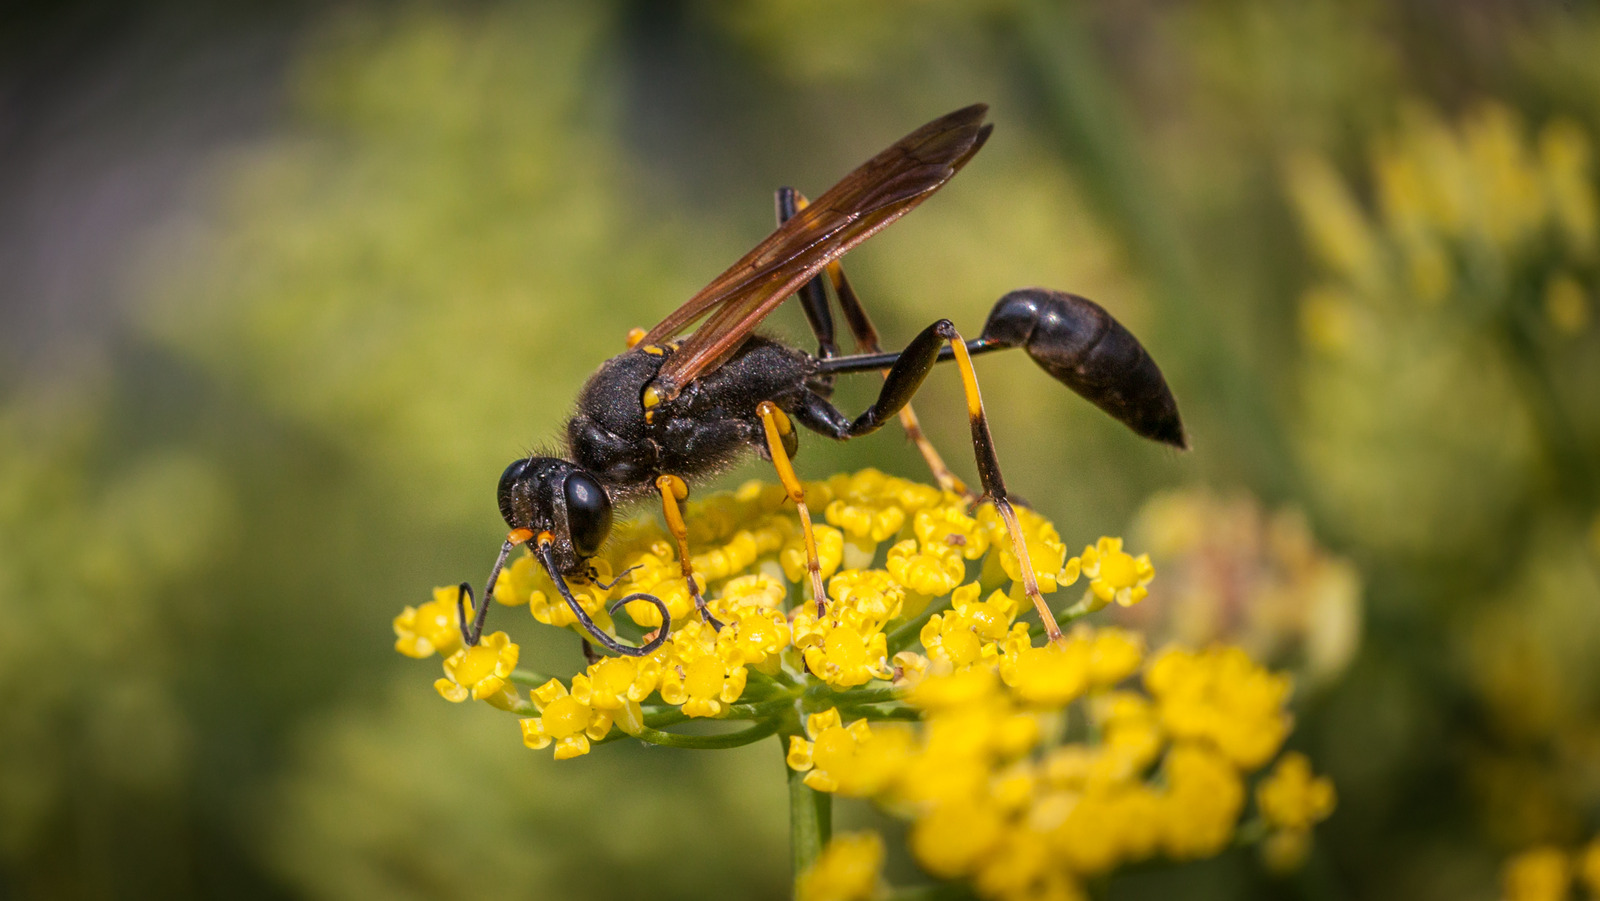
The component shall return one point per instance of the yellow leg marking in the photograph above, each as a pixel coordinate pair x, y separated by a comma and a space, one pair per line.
673, 491
1030, 584
1019, 545
777, 425
969, 378
635, 335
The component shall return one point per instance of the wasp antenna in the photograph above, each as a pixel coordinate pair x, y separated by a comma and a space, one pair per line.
546, 554
470, 636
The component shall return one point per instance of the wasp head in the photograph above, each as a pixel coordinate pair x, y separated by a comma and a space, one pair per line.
544, 494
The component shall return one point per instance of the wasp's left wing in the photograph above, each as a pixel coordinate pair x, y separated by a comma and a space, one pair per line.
880, 191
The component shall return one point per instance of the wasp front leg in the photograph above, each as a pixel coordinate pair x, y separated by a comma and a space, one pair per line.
674, 491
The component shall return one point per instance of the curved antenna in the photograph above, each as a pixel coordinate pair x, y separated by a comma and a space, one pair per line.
544, 550
469, 637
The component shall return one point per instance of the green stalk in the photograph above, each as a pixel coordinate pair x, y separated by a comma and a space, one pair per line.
810, 817
1561, 444
1092, 125
528, 677
708, 742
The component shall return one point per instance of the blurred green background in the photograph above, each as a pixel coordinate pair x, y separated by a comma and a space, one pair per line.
285, 287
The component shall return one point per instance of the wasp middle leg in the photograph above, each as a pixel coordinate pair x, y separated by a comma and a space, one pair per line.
815, 302
781, 441
675, 490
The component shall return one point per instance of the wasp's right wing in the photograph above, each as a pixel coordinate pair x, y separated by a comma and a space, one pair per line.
877, 193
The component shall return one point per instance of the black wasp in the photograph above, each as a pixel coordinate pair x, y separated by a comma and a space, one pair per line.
669, 410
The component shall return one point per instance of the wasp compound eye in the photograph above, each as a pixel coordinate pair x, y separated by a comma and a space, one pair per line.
588, 513
510, 480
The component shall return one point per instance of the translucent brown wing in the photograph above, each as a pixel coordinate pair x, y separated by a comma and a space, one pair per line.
880, 191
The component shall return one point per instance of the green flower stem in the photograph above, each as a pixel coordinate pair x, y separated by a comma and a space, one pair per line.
1562, 446
708, 742
896, 712
1251, 832
873, 708
767, 686
810, 816
910, 630
939, 891
826, 696
1074, 612
763, 710
528, 677
664, 716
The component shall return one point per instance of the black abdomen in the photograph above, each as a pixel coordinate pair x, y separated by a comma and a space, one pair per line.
1085, 348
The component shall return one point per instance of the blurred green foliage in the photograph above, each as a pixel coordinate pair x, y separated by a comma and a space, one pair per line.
297, 427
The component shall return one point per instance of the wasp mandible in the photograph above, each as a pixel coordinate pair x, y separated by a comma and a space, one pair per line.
671, 410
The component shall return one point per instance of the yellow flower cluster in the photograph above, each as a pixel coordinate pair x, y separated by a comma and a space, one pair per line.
993, 800
1465, 209
751, 555
1291, 801
1548, 873
922, 686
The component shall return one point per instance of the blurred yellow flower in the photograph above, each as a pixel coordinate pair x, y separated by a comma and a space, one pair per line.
1222, 698
1566, 305
848, 869
432, 627
1291, 797
1539, 874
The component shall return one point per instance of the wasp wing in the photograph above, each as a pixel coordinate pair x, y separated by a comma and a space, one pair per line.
880, 191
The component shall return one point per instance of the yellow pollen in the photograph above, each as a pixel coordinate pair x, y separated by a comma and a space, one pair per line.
833, 748
703, 678
477, 665
613, 676
565, 716
845, 648
1119, 569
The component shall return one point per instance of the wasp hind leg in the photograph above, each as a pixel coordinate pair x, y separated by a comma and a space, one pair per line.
815, 302
903, 380
994, 486
674, 491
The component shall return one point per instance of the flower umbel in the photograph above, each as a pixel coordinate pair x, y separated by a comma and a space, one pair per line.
1023, 766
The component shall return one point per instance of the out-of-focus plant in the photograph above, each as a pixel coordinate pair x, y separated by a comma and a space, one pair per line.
1449, 395
1237, 574
1452, 307
93, 537
1023, 769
